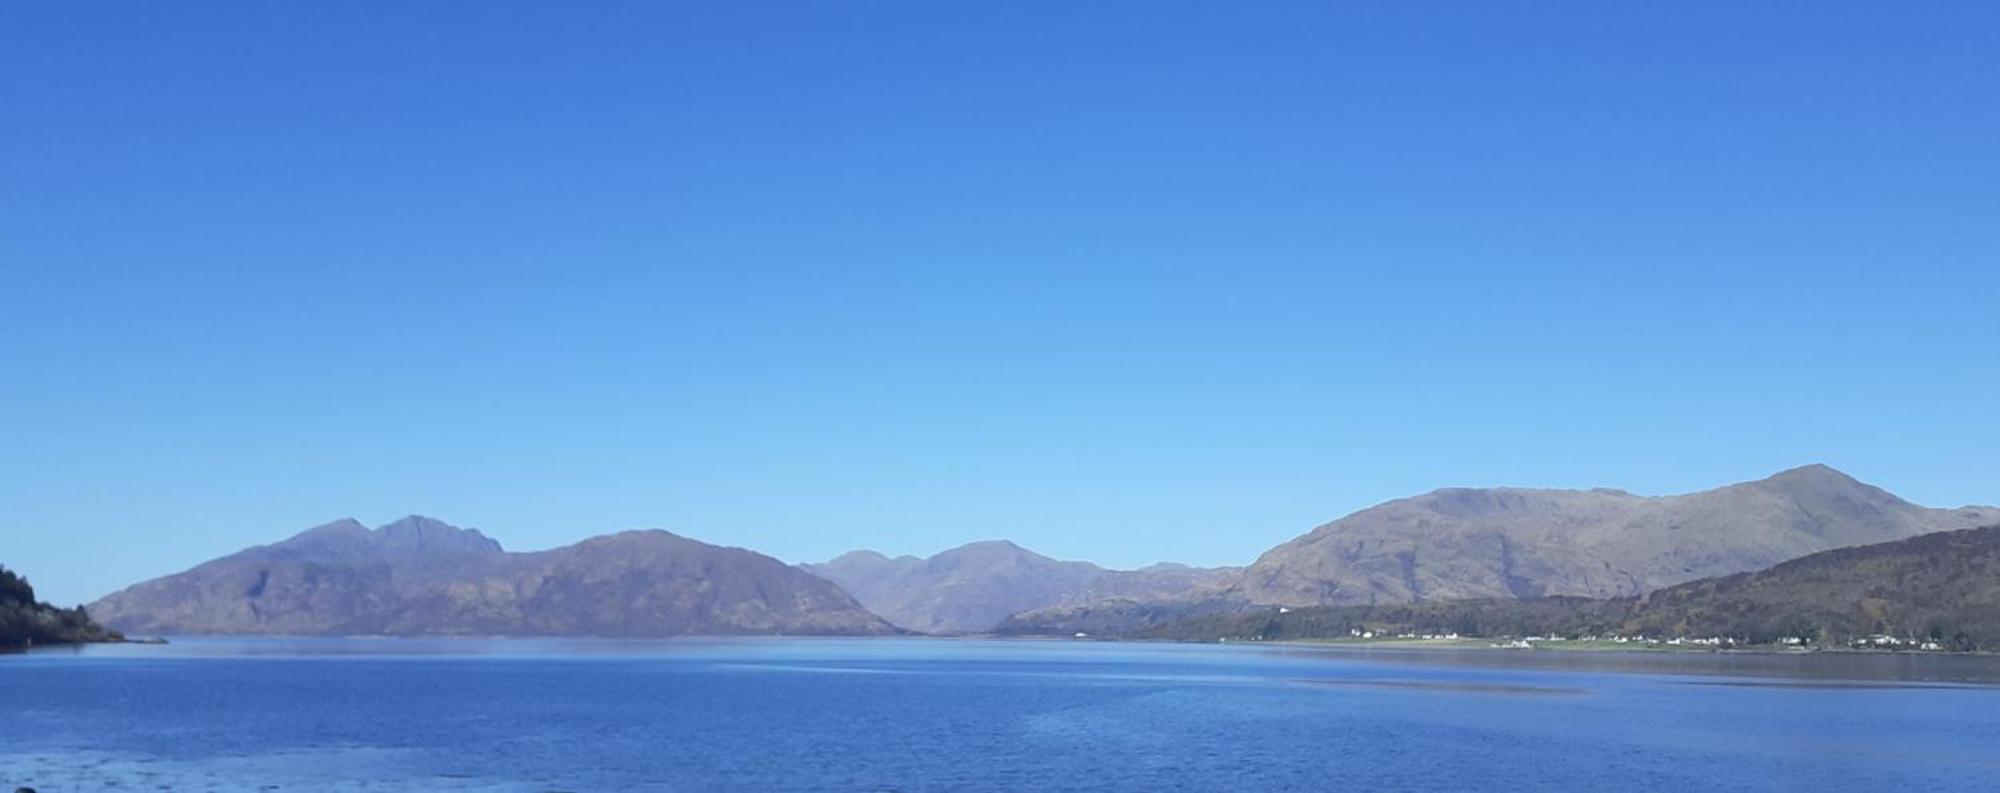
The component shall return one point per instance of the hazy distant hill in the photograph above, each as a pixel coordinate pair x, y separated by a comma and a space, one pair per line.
1463, 543
1943, 587
974, 587
25, 621
422, 576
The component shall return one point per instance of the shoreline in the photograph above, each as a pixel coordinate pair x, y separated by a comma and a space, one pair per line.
7, 648
1461, 644
1581, 646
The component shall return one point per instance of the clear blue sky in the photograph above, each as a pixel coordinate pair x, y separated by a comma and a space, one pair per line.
1120, 281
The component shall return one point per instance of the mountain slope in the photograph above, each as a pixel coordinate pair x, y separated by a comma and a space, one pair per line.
25, 622
974, 587
1942, 587
422, 576
1463, 543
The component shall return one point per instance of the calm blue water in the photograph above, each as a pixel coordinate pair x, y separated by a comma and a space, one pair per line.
979, 715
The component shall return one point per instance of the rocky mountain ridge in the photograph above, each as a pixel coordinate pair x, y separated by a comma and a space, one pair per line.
420, 576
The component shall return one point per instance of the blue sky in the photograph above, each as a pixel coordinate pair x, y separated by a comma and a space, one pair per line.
1119, 281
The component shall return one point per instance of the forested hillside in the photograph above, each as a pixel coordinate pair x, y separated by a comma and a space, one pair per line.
25, 622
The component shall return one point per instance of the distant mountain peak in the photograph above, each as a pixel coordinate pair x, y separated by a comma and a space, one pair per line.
1813, 472
341, 526
416, 523
989, 545
1823, 486
858, 557
343, 536
988, 553
430, 534
642, 536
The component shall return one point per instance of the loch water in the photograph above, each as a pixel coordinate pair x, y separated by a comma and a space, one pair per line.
941, 714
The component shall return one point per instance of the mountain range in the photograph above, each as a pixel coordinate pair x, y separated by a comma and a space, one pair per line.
1465, 543
973, 587
1941, 588
421, 576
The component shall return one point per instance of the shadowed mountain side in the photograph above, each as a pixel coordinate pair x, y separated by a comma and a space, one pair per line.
1464, 543
972, 588
418, 576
